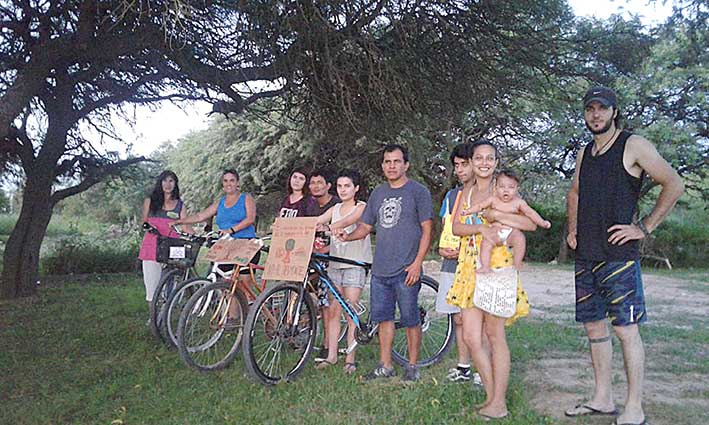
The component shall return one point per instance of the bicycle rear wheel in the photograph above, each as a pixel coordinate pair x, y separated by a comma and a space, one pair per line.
176, 304
211, 327
168, 282
280, 334
436, 329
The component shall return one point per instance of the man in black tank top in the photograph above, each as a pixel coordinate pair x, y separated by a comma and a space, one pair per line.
601, 206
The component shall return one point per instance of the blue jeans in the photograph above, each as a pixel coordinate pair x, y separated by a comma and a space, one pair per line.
386, 292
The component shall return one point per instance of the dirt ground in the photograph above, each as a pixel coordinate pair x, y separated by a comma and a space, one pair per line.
562, 379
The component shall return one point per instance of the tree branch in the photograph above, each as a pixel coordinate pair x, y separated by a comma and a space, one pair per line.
94, 176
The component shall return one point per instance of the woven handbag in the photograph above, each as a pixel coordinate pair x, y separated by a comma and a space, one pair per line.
496, 292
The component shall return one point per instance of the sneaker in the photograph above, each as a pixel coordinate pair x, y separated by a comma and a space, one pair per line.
459, 375
477, 380
321, 356
411, 374
380, 372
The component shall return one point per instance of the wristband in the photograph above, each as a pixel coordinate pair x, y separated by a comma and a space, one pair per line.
641, 225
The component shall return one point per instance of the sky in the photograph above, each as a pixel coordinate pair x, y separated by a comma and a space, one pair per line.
169, 122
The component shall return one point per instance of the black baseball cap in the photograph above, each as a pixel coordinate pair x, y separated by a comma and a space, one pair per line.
601, 94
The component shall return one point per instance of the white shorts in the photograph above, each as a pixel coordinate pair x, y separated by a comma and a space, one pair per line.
352, 277
445, 282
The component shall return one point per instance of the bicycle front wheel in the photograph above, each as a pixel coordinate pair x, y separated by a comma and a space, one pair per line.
176, 303
168, 281
436, 329
211, 327
280, 334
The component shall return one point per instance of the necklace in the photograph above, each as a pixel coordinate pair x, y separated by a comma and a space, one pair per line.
599, 150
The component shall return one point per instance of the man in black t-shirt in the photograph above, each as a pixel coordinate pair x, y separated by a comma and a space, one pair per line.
601, 206
320, 185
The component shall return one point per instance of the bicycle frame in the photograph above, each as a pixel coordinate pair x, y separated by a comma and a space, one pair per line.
315, 263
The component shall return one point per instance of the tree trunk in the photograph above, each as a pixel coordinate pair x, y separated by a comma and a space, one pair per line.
21, 258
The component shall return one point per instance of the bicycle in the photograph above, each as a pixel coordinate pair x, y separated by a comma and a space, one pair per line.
210, 324
282, 325
176, 269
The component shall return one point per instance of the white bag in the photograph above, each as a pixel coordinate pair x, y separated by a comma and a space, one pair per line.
496, 292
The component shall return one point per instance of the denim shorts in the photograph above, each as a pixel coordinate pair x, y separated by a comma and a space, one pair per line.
612, 290
351, 277
387, 292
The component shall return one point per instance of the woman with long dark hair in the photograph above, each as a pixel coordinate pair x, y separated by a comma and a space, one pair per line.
159, 209
484, 333
298, 202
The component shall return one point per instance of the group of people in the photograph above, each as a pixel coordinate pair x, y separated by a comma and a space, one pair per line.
483, 220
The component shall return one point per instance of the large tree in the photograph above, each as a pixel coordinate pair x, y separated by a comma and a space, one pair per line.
344, 69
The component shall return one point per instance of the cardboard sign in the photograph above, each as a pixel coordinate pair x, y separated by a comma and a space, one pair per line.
291, 246
233, 251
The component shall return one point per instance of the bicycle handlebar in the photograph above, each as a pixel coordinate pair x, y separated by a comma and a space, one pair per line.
328, 257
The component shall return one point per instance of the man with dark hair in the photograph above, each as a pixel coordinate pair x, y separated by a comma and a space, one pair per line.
601, 206
321, 182
401, 210
449, 247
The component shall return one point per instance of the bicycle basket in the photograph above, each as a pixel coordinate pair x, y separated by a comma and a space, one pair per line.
177, 252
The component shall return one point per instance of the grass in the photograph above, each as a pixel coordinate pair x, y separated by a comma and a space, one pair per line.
81, 353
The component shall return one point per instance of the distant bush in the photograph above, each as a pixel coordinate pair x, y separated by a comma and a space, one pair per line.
57, 226
7, 223
683, 242
543, 245
76, 254
683, 239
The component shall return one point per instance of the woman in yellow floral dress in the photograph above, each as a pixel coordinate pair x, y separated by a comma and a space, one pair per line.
483, 333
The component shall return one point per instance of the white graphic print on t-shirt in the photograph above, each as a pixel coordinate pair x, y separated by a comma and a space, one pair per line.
390, 212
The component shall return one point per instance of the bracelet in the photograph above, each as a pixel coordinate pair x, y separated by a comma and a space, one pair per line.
641, 225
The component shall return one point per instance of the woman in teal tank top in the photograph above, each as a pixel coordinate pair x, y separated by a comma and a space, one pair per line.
235, 211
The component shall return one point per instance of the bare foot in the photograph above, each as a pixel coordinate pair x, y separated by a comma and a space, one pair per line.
482, 405
637, 416
493, 412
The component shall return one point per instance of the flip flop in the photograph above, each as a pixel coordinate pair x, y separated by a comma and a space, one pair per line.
590, 411
488, 418
350, 368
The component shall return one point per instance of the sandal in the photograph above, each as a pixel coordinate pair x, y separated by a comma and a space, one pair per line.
586, 410
350, 368
324, 364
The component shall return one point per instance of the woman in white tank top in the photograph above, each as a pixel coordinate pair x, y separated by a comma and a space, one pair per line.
348, 279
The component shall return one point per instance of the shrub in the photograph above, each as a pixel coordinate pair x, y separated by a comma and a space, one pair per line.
543, 245
682, 238
683, 242
76, 254
7, 223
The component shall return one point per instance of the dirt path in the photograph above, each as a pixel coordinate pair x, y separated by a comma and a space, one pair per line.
560, 380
